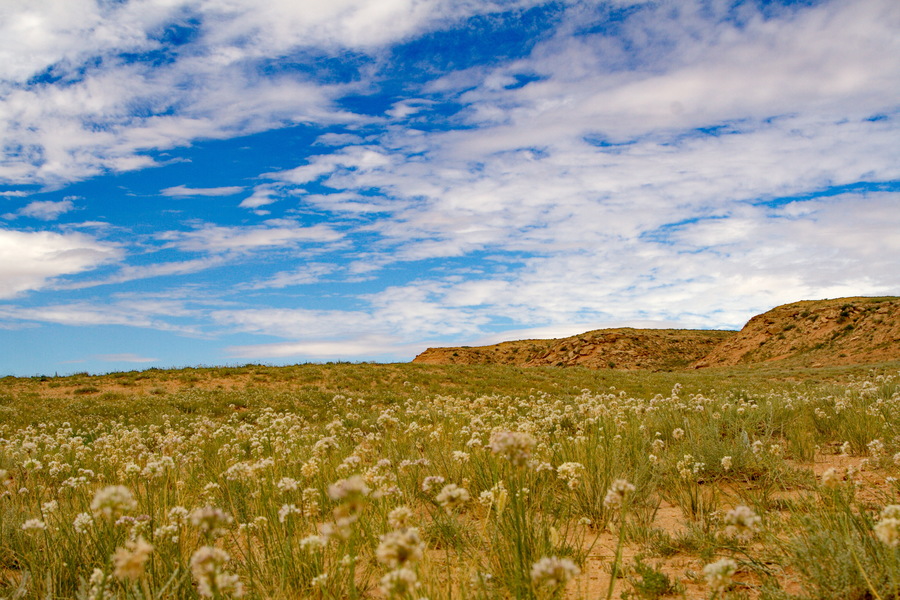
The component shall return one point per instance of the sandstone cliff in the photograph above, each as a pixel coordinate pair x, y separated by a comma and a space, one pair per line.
816, 333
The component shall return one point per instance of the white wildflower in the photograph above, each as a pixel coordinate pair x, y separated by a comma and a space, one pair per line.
431, 482
346, 489
399, 583
211, 521
460, 456
286, 484
888, 527
287, 510
213, 581
112, 502
570, 472
400, 517
876, 448
515, 446
34, 525
618, 492
313, 543
400, 547
82, 523
718, 574
552, 572
129, 561
741, 522
452, 496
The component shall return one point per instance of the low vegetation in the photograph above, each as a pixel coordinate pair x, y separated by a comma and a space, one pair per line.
440, 482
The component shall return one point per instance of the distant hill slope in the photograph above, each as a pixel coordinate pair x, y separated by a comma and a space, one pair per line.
624, 348
841, 331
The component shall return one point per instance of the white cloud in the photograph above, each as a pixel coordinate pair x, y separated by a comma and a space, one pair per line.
181, 190
304, 275
406, 108
338, 139
97, 119
350, 203
341, 349
686, 69
262, 195
792, 95
144, 313
45, 210
160, 269
349, 160
29, 260
707, 273
219, 239
359, 24
398, 312
54, 139
710, 273
622, 185
303, 324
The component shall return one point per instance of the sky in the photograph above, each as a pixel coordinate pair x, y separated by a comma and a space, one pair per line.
223, 182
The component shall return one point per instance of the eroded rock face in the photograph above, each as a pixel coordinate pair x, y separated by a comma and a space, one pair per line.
811, 333
816, 333
600, 349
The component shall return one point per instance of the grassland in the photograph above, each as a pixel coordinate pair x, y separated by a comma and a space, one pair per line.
422, 481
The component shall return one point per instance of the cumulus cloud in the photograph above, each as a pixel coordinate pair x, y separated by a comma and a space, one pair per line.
30, 259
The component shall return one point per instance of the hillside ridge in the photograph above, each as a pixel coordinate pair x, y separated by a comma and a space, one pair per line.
839, 331
621, 348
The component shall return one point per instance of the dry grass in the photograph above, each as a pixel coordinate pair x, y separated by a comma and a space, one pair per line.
265, 445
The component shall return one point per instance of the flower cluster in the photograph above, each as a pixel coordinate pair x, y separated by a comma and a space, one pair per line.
888, 527
741, 522
718, 574
618, 493
515, 446
552, 572
213, 580
452, 497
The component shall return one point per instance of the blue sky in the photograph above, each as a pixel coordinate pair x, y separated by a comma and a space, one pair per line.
215, 182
